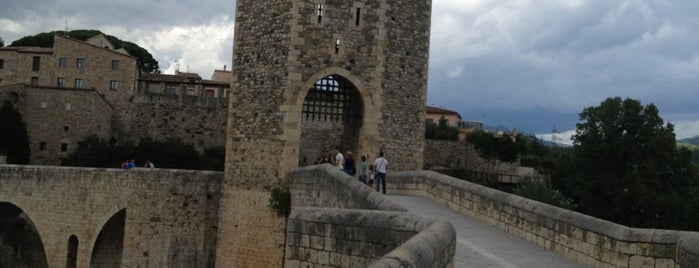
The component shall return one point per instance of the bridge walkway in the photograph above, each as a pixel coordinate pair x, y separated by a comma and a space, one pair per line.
481, 245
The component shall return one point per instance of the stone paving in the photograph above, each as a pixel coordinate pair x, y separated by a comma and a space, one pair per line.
481, 245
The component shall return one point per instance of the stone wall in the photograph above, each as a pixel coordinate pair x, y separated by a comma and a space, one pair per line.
327, 186
58, 118
451, 154
170, 215
317, 137
203, 125
358, 227
319, 237
586, 239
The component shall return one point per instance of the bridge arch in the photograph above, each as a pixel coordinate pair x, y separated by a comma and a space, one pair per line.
108, 247
20, 241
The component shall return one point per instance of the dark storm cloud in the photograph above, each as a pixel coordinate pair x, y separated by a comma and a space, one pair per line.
31, 17
521, 62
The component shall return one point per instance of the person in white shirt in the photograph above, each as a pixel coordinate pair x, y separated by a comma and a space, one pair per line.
380, 177
339, 159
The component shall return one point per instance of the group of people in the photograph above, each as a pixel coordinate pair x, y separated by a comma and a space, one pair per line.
369, 174
131, 163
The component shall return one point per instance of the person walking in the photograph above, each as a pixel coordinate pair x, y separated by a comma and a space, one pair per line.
362, 170
350, 169
339, 160
380, 178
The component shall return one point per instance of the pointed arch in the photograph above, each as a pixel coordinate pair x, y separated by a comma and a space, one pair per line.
109, 245
332, 111
19, 233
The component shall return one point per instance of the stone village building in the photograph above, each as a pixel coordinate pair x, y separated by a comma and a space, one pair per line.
77, 88
434, 114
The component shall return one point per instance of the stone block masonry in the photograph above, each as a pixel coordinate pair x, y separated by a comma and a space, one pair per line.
170, 216
587, 240
281, 49
319, 237
374, 233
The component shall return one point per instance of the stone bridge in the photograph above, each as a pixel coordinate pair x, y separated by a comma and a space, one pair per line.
88, 217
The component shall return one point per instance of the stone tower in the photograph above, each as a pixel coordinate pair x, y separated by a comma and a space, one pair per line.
310, 75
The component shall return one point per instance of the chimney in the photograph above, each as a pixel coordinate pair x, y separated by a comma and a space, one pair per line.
224, 67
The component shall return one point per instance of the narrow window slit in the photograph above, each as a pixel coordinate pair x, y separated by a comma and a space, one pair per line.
319, 12
337, 46
357, 16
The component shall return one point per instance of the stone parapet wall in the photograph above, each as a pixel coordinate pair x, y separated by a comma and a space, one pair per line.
583, 238
688, 250
327, 186
321, 237
358, 227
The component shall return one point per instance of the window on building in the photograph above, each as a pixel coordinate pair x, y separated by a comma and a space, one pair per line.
113, 85
78, 83
337, 46
115, 64
62, 62
61, 82
2, 64
42, 146
80, 63
357, 16
36, 63
34, 81
319, 12
66, 128
210, 93
64, 147
171, 89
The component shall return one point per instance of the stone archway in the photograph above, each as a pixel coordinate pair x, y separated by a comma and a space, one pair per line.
20, 243
331, 117
109, 245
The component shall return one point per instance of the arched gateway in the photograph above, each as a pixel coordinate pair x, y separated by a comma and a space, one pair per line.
331, 118
356, 70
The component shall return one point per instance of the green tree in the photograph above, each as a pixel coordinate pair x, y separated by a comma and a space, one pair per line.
95, 152
442, 131
14, 140
146, 62
628, 168
495, 149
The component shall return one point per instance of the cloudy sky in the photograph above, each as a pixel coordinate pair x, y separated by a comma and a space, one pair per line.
530, 65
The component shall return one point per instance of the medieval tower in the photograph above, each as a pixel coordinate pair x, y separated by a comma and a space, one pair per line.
311, 75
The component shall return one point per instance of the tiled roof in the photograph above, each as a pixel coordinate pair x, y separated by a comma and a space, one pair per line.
171, 78
437, 110
46, 50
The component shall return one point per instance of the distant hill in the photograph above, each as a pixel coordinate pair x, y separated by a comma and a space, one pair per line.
146, 62
693, 140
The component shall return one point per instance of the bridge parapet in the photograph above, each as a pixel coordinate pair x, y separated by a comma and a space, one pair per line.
360, 228
586, 239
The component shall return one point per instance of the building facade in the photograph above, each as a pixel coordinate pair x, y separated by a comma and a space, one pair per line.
58, 118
